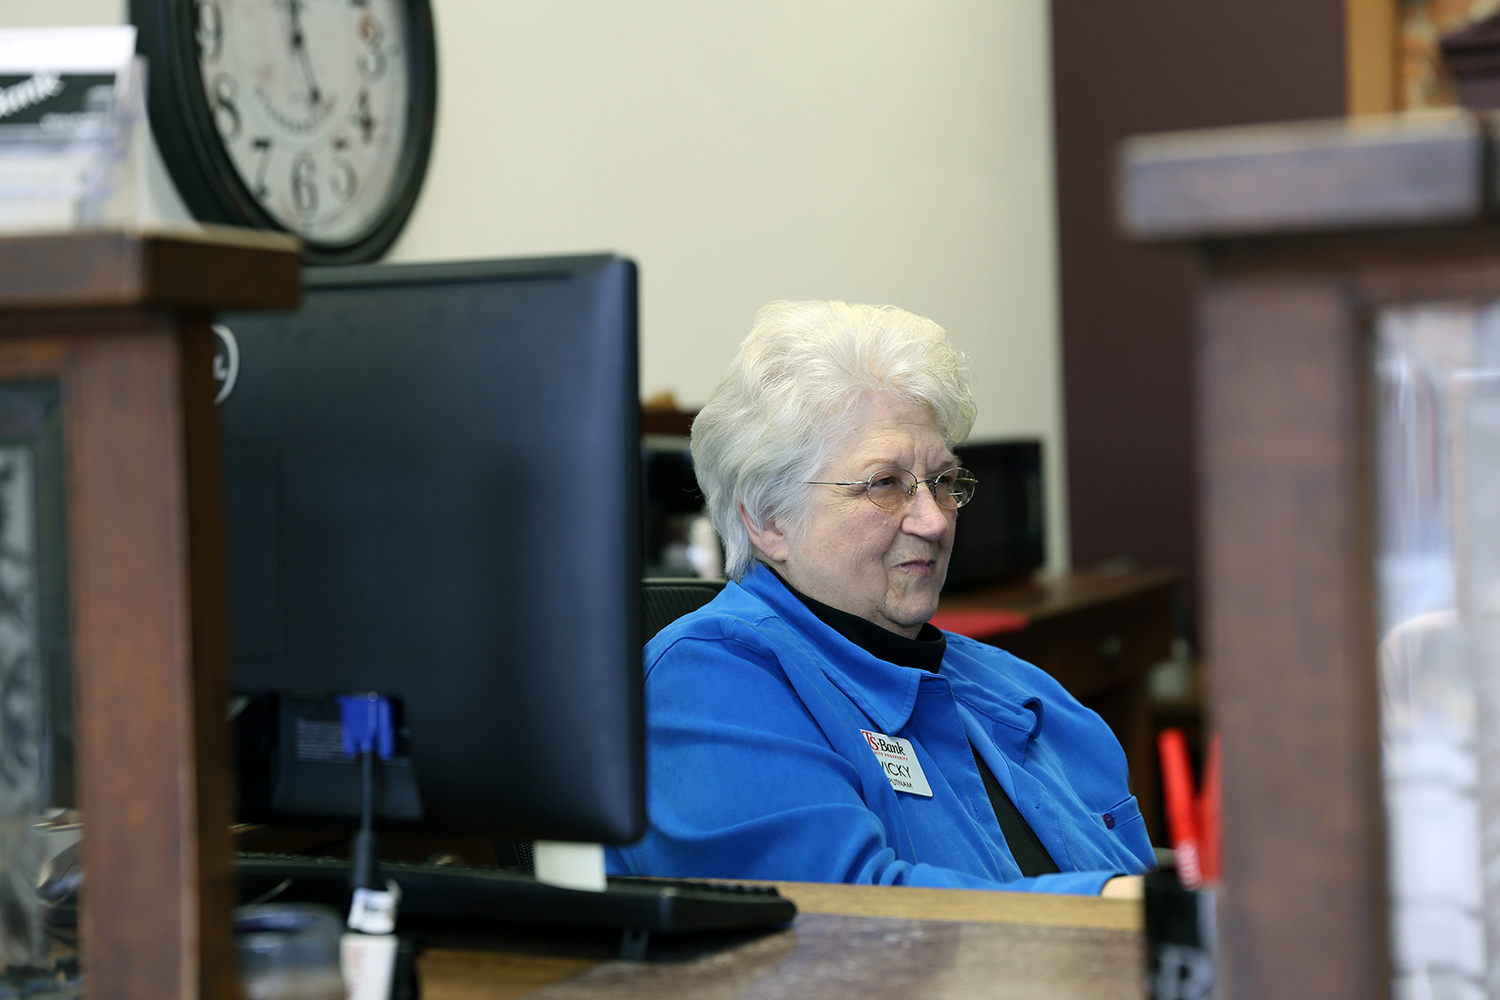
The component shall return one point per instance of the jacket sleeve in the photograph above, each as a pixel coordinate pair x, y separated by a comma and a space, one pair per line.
743, 783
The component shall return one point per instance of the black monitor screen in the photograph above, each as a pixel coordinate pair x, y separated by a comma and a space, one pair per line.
432, 492
1002, 533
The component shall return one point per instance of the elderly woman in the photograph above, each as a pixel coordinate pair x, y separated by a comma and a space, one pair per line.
809, 723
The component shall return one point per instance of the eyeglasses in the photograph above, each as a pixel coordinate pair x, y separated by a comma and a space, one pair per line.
894, 489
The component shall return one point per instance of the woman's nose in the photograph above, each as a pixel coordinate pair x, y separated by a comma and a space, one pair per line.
924, 517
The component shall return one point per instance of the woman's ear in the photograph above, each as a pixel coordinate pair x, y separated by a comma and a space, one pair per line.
768, 539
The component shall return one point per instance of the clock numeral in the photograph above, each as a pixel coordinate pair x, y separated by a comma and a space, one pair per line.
343, 183
372, 63
262, 146
362, 117
210, 30
305, 184
222, 98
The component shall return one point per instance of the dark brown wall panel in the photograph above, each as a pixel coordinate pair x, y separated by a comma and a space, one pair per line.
1127, 311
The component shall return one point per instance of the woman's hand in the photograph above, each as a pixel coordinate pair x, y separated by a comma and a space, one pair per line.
1124, 887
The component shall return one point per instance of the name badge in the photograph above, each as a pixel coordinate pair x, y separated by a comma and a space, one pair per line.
899, 761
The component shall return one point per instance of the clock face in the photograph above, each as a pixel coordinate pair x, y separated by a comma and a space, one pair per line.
310, 99
311, 116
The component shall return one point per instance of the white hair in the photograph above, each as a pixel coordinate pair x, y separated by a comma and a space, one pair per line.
790, 397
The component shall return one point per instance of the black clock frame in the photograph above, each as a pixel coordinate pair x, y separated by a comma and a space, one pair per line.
206, 178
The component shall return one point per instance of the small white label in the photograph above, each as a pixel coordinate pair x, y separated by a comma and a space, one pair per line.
899, 761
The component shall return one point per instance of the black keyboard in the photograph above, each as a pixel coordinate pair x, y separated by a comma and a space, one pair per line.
636, 906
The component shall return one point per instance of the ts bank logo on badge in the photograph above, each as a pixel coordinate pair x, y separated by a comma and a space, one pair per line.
899, 761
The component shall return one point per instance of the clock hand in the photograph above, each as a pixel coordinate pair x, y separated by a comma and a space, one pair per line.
313, 93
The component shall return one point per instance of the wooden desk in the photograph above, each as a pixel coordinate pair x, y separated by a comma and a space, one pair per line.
1099, 633
847, 942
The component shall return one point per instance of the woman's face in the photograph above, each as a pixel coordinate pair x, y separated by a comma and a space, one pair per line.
884, 566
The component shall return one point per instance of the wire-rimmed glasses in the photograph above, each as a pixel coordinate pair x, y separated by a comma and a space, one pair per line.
895, 489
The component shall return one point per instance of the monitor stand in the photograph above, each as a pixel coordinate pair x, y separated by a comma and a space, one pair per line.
569, 865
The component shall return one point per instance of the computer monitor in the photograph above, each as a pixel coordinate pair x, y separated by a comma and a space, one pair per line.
432, 477
1002, 533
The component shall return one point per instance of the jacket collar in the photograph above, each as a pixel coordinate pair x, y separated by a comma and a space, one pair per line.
884, 691
924, 652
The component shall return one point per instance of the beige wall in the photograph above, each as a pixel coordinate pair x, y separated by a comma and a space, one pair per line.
870, 150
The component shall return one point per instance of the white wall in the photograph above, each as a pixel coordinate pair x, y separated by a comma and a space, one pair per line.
870, 150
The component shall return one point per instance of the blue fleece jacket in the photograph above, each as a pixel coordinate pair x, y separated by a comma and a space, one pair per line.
760, 760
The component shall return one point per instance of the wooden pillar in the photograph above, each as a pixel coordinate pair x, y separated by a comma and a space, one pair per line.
1286, 512
121, 324
1372, 56
1305, 233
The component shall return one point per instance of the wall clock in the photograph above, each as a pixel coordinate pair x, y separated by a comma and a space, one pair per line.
310, 116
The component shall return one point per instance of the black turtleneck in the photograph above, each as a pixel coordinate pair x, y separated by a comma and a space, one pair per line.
925, 652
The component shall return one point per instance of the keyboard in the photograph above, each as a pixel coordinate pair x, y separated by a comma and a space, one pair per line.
635, 906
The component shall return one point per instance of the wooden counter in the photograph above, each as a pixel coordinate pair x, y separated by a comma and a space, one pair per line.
847, 942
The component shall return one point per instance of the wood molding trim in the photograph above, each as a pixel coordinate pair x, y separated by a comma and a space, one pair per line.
1372, 56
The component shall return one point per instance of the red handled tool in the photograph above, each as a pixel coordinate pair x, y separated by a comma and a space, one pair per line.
1192, 824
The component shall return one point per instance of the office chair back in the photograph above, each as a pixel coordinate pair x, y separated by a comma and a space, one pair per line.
666, 599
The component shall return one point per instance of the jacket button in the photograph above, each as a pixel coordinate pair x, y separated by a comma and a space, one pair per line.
1109, 821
